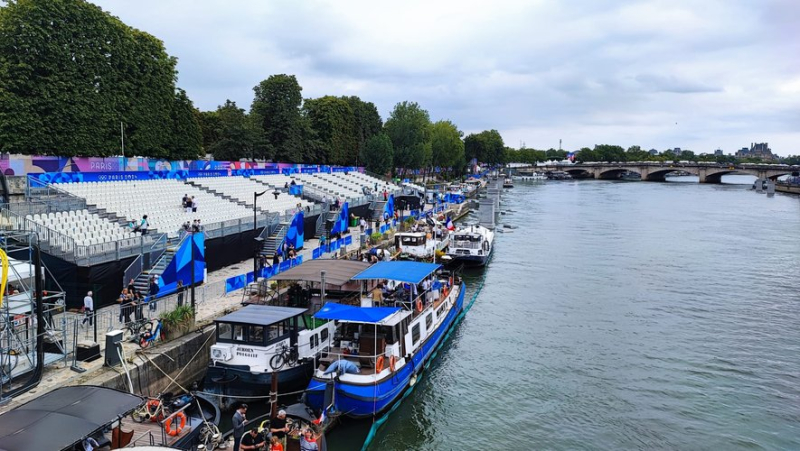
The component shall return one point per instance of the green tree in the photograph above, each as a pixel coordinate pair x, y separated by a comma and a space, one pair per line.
368, 122
238, 135
447, 148
72, 74
186, 141
609, 153
334, 125
210, 126
408, 127
378, 154
486, 146
276, 108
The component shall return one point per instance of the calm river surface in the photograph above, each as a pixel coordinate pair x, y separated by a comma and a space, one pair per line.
621, 315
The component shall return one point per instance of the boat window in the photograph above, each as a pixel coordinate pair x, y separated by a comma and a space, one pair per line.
316, 340
428, 321
415, 333
224, 331
440, 312
311, 341
255, 334
323, 335
238, 332
275, 331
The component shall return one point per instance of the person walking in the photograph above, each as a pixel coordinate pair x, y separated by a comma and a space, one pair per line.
144, 224
194, 205
88, 309
239, 421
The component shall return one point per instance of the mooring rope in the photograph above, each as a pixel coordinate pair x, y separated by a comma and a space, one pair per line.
379, 422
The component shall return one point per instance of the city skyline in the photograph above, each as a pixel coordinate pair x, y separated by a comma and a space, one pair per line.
654, 74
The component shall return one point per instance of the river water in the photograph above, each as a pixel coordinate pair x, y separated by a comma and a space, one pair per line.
621, 315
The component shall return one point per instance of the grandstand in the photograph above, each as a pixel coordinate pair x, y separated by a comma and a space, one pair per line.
160, 200
240, 189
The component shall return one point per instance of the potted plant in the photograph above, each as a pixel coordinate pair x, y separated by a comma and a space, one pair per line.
178, 322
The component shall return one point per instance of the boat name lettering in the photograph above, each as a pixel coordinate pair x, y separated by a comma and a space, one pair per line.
246, 352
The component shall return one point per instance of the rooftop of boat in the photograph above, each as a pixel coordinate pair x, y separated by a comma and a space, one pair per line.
261, 315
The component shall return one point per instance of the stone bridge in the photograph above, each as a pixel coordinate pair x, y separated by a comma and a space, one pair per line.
655, 172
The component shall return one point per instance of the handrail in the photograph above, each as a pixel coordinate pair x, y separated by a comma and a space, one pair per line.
133, 270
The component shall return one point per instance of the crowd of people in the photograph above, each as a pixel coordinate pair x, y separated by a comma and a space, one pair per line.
272, 438
132, 301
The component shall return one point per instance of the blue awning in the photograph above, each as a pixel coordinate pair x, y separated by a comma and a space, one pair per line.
368, 315
411, 272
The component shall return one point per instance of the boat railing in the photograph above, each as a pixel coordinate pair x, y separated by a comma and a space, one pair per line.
172, 415
135, 441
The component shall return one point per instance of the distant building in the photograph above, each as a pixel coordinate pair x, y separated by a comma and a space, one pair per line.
760, 151
653, 152
718, 153
676, 151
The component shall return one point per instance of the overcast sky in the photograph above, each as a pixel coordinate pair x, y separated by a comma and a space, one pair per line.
690, 74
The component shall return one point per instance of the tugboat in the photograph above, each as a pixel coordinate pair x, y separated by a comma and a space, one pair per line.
258, 341
471, 246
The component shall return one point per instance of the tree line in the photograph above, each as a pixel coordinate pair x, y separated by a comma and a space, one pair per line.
78, 82
608, 153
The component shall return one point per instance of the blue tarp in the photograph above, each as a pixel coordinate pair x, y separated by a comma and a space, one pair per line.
411, 272
341, 312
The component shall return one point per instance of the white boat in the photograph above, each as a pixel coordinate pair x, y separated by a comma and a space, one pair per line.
471, 245
533, 177
508, 182
420, 245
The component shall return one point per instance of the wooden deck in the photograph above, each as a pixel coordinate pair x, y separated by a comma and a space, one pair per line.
143, 431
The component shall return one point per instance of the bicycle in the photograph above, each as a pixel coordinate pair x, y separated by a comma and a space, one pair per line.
151, 336
155, 409
137, 328
285, 355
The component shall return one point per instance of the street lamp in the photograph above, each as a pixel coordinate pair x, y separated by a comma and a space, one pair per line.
256, 195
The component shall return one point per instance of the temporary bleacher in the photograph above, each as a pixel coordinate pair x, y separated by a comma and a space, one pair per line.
160, 200
241, 189
83, 227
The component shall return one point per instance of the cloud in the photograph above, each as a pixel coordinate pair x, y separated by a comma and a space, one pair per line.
585, 71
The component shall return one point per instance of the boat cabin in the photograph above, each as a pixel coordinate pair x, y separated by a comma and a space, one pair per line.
251, 335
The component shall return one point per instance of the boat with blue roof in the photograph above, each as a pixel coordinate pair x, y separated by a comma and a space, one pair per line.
380, 346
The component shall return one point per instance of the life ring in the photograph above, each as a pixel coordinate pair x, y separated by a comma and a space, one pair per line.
419, 305
179, 426
152, 407
392, 362
444, 291
379, 364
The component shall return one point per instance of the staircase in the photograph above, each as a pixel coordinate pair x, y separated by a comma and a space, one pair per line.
273, 243
142, 282
377, 210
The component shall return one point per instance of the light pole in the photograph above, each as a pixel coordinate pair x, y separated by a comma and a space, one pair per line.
258, 239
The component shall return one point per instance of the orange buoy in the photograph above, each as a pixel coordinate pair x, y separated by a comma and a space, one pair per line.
419, 305
392, 362
178, 426
379, 364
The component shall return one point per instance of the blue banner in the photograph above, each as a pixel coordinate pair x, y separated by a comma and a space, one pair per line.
285, 265
316, 253
348, 239
296, 190
235, 283
309, 170
212, 173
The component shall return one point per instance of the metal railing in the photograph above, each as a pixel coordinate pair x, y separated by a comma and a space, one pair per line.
133, 270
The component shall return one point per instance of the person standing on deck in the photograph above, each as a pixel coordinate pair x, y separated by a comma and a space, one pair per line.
239, 421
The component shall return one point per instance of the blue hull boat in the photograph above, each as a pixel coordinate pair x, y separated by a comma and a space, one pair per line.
365, 399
